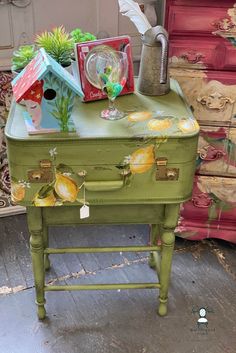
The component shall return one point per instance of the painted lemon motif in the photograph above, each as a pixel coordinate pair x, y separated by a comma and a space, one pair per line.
139, 116
159, 125
66, 188
142, 160
188, 125
48, 200
17, 192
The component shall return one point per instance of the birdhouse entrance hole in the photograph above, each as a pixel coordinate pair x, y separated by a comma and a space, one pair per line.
50, 94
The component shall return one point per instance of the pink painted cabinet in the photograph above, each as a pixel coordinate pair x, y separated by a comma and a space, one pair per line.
203, 60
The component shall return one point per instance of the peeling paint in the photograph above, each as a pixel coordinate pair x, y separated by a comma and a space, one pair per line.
8, 290
69, 276
195, 250
221, 259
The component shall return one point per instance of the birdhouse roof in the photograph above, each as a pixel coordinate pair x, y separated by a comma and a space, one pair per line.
36, 70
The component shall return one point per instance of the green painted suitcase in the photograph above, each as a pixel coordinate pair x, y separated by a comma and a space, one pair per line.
148, 157
136, 170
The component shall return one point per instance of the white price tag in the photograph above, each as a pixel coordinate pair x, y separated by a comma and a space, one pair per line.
84, 212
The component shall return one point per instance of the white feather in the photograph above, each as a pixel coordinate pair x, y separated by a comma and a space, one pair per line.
132, 10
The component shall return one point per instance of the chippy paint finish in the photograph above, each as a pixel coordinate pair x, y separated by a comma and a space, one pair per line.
112, 167
213, 200
202, 59
48, 92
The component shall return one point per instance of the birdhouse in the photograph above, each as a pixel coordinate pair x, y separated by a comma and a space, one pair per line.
48, 92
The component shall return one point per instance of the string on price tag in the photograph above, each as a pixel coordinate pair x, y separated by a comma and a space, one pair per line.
84, 210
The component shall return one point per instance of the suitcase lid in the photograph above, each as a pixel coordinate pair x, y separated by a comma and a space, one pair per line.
166, 116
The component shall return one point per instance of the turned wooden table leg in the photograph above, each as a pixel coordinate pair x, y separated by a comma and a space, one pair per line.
47, 264
168, 242
37, 253
154, 236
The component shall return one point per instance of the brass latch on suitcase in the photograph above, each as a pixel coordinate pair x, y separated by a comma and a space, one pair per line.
164, 173
43, 174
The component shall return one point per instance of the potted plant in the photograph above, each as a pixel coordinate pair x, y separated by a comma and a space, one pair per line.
22, 57
57, 44
78, 36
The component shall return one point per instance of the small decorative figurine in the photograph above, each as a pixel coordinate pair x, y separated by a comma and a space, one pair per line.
48, 92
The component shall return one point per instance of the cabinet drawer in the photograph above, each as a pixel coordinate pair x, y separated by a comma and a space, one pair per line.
213, 199
213, 151
197, 54
211, 95
208, 3
217, 151
211, 213
189, 20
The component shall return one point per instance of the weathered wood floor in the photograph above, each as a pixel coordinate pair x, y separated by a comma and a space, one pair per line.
203, 275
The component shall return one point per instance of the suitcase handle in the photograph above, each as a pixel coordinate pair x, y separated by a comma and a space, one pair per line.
103, 185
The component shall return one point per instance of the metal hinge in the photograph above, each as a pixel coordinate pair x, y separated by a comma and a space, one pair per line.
164, 173
44, 174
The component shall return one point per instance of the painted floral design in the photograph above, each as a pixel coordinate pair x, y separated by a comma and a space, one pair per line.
162, 124
62, 189
139, 116
66, 188
188, 125
18, 189
44, 198
142, 160
159, 124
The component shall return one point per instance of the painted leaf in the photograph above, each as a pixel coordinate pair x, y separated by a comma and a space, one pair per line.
45, 191
63, 168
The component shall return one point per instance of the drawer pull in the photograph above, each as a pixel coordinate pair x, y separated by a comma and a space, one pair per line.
192, 57
210, 153
103, 185
215, 101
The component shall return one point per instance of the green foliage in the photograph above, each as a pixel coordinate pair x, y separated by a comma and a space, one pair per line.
78, 36
63, 109
62, 104
45, 191
63, 168
57, 44
22, 57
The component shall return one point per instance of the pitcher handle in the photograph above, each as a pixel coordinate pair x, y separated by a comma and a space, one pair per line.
164, 57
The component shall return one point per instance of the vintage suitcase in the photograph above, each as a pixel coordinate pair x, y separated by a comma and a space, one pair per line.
135, 170
148, 157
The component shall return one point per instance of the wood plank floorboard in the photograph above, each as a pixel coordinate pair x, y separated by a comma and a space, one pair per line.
203, 275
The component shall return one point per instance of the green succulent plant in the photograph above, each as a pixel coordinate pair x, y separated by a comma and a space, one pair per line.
78, 36
22, 57
57, 44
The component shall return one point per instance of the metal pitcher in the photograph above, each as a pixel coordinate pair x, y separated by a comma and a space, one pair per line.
153, 77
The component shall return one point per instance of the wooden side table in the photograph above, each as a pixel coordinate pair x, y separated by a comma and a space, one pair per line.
134, 171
